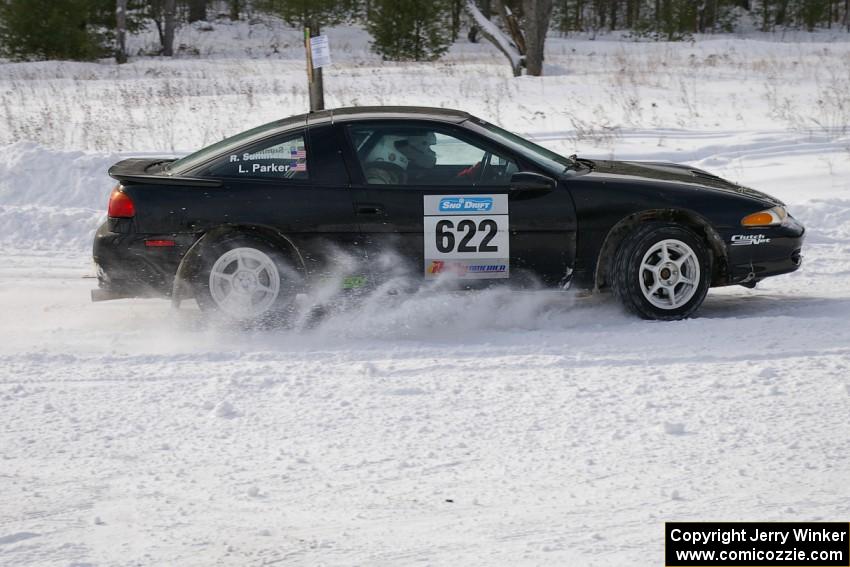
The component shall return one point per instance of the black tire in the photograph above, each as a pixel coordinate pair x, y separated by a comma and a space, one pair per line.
270, 310
629, 280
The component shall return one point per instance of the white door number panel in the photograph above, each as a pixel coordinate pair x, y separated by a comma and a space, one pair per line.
467, 236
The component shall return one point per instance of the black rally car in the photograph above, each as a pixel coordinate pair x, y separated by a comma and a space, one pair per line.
361, 194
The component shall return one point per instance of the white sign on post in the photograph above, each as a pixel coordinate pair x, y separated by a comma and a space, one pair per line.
321, 51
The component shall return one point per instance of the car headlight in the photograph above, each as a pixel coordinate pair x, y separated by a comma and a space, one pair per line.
770, 217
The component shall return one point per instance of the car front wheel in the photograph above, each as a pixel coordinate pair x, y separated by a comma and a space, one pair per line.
662, 271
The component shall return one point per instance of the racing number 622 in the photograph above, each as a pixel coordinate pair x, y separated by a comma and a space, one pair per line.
446, 237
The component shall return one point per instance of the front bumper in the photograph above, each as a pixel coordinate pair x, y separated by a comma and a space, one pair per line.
126, 267
758, 253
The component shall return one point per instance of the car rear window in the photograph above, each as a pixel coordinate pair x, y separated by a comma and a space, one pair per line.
279, 158
227, 145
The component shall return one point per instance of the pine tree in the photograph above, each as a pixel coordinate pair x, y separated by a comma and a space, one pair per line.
405, 30
303, 13
814, 13
57, 29
197, 10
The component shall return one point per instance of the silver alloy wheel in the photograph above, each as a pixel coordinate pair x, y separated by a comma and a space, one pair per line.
244, 282
669, 274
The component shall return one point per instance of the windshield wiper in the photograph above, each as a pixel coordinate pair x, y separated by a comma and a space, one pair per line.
577, 161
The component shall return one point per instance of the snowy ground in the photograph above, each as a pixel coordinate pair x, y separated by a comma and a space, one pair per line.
480, 429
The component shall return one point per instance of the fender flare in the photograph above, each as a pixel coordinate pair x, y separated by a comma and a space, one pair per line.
689, 218
192, 260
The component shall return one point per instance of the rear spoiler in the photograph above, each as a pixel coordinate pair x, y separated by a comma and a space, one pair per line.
136, 171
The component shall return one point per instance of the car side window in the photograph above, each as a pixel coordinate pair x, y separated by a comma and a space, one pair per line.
401, 154
276, 159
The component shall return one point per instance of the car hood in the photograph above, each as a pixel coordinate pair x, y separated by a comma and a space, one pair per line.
680, 174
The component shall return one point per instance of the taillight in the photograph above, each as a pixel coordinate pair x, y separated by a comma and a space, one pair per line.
121, 205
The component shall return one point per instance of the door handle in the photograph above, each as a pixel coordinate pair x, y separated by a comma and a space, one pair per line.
369, 209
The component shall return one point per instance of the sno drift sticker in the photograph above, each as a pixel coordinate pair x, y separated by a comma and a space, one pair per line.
467, 236
477, 204
749, 239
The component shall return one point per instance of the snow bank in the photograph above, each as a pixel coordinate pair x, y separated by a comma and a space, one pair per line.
51, 199
48, 228
34, 175
828, 220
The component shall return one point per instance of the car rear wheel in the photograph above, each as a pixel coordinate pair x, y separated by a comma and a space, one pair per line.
246, 279
662, 271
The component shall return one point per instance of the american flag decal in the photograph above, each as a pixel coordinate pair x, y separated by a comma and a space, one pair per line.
298, 153
300, 166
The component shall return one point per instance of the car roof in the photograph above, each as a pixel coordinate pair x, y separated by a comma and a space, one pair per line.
350, 114
356, 113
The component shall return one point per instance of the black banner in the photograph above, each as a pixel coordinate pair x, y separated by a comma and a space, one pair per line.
757, 544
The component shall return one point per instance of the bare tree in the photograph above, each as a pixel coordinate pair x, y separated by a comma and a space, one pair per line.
538, 14
121, 30
169, 10
526, 42
484, 7
847, 14
512, 25
494, 35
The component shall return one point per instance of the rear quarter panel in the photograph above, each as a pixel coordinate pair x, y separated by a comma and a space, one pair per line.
319, 221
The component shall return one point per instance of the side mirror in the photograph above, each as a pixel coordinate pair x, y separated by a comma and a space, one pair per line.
528, 181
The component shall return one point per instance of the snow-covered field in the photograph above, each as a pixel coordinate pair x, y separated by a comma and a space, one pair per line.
493, 428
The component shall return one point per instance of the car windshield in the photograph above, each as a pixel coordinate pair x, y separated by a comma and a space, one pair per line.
184, 164
556, 162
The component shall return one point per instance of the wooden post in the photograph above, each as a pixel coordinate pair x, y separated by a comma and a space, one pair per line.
315, 86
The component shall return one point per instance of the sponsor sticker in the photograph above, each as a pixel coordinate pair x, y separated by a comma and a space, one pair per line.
468, 269
475, 204
442, 205
749, 239
353, 282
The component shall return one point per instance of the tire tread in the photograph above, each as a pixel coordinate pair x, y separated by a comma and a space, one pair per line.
623, 270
